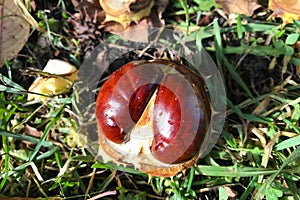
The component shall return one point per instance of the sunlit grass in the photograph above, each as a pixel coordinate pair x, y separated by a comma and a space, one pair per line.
257, 155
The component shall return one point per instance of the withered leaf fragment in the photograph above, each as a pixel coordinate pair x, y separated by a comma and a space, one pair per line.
286, 10
126, 11
14, 30
246, 7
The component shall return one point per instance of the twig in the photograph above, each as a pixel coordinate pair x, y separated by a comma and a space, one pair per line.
91, 182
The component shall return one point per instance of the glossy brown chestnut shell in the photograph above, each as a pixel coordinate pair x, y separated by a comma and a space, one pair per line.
153, 115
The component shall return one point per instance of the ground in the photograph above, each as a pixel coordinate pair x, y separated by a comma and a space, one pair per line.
45, 154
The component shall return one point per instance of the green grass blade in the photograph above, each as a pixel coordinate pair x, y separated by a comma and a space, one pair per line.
263, 190
291, 142
249, 189
249, 116
239, 27
24, 138
107, 181
46, 131
58, 160
10, 113
6, 161
191, 178
293, 126
187, 15
297, 23
236, 76
292, 188
79, 180
4, 88
233, 171
218, 42
10, 83
221, 57
47, 154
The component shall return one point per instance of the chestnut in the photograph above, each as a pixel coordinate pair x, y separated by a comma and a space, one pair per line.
153, 115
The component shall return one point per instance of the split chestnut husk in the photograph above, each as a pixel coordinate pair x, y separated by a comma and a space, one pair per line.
153, 115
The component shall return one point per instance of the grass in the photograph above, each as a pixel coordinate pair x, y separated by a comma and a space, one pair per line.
256, 157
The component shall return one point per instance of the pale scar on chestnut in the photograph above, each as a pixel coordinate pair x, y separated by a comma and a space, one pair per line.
153, 115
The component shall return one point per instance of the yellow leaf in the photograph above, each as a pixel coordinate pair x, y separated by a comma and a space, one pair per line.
125, 12
76, 139
286, 10
59, 79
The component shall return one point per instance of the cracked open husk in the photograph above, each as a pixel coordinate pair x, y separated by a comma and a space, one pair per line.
136, 152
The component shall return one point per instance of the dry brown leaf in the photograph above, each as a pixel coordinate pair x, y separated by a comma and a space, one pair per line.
125, 12
261, 107
230, 192
91, 8
160, 6
286, 10
14, 30
31, 131
246, 7
154, 20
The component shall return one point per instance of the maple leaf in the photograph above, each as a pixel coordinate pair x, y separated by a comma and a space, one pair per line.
246, 7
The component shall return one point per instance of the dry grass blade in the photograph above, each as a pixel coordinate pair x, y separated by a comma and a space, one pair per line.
104, 194
28, 16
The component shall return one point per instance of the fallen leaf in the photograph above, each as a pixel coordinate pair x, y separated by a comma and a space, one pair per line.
286, 10
31, 131
154, 20
59, 77
246, 7
74, 139
14, 30
138, 33
230, 192
20, 154
160, 6
125, 12
91, 8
